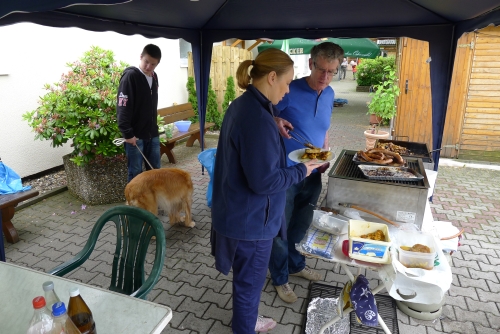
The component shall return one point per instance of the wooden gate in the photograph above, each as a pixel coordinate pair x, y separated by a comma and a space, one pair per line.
413, 121
225, 62
472, 125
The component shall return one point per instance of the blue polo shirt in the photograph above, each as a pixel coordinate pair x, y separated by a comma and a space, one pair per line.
309, 113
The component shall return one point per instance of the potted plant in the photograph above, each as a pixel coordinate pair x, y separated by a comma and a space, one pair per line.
383, 104
81, 108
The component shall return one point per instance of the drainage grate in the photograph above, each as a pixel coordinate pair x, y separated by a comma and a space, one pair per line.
385, 304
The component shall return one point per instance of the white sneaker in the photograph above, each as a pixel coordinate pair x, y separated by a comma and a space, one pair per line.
264, 324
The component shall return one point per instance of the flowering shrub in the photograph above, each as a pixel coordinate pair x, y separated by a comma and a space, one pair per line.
82, 107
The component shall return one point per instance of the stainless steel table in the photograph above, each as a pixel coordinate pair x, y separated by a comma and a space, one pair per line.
113, 312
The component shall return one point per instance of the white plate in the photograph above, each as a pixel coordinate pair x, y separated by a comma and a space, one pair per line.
295, 156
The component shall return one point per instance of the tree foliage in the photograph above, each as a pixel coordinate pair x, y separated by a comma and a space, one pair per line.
371, 71
190, 86
230, 94
383, 103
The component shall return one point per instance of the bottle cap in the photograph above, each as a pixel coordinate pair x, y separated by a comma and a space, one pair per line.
38, 302
47, 286
73, 292
58, 309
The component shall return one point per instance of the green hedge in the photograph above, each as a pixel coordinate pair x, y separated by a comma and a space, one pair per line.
371, 71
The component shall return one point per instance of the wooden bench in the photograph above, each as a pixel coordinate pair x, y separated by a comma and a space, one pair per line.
178, 113
8, 203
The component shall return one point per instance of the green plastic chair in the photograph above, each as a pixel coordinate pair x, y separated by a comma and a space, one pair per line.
135, 227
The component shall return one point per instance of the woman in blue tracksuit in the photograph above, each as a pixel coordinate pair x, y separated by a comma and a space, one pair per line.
250, 181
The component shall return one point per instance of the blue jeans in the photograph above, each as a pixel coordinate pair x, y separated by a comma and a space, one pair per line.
285, 259
151, 150
249, 274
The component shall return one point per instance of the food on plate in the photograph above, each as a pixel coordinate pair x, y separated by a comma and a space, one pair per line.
378, 235
381, 157
393, 148
394, 172
417, 248
316, 153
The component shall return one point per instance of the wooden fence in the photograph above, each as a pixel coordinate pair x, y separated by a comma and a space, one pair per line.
225, 62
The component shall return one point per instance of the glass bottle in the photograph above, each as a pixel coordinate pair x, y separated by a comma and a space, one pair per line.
50, 295
80, 313
41, 322
62, 323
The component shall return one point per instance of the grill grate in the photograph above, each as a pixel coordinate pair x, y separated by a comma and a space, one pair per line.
385, 305
345, 168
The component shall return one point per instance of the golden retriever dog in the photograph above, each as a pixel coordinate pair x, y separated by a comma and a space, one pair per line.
171, 189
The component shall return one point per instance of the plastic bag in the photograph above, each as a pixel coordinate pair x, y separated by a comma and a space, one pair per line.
318, 242
207, 160
10, 182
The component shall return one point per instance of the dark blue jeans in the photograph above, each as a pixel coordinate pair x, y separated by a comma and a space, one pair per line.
285, 259
151, 150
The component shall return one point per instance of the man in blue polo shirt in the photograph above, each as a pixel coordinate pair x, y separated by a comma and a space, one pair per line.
307, 110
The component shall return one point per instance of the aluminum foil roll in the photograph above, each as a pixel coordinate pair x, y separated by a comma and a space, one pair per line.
322, 310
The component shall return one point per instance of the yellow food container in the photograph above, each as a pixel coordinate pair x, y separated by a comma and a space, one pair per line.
366, 249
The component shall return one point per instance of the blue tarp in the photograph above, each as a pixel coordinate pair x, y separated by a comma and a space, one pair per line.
10, 182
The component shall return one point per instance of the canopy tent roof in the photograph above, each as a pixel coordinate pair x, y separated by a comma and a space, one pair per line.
202, 23
353, 47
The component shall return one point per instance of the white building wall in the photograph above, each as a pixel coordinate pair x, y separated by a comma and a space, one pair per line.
33, 55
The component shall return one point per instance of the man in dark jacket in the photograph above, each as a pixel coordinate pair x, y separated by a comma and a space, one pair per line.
137, 104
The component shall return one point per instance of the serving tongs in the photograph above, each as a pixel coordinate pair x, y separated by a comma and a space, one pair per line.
304, 141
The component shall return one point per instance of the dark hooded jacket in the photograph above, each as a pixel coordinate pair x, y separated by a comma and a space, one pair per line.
137, 105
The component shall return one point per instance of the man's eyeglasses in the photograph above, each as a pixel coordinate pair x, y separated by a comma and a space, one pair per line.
323, 71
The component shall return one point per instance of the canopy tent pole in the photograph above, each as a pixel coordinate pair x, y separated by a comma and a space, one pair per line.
202, 57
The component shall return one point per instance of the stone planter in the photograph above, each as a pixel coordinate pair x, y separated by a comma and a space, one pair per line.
371, 138
99, 182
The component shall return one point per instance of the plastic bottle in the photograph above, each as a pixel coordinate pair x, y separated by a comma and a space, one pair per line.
80, 313
41, 322
62, 323
50, 295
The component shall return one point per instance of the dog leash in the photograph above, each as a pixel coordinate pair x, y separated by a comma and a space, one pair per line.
120, 141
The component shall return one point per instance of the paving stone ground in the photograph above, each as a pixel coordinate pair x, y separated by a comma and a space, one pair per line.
55, 229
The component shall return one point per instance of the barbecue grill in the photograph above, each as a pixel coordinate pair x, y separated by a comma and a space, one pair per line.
417, 150
402, 201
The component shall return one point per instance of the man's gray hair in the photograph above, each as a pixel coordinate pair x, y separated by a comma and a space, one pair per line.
328, 51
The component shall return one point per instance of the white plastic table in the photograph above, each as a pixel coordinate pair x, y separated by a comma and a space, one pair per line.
113, 312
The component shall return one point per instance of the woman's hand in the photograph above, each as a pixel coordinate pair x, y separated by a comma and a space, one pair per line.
312, 165
283, 126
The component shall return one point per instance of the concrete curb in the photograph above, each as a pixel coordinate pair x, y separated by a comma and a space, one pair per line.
39, 198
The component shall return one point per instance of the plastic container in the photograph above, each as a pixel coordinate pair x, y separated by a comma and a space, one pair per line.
327, 222
366, 249
41, 322
80, 313
62, 323
50, 295
183, 126
411, 259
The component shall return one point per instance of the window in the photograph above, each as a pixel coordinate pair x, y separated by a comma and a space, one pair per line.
184, 48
